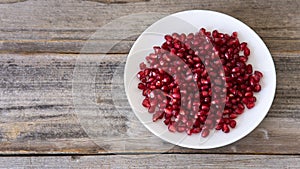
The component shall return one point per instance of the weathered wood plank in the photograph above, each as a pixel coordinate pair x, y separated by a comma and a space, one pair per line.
47, 26
118, 46
273, 136
50, 14
37, 112
159, 161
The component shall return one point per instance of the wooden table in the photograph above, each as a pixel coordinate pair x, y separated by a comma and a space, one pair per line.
41, 43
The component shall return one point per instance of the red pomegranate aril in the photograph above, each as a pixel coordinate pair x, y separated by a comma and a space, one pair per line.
176, 96
156, 49
249, 69
201, 53
205, 133
167, 121
205, 107
227, 111
250, 105
234, 34
166, 80
226, 120
141, 86
256, 78
168, 111
249, 89
248, 94
146, 92
157, 115
241, 106
257, 88
196, 130
168, 38
258, 73
232, 123
181, 129
165, 88
218, 127
147, 72
244, 100
189, 123
204, 93
225, 128
235, 70
151, 109
141, 75
171, 128
243, 45
146, 103
233, 116
239, 111
243, 59
252, 99
143, 66
158, 84
204, 81
246, 51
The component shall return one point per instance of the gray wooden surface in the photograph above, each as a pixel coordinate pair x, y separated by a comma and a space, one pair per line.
41, 46
160, 161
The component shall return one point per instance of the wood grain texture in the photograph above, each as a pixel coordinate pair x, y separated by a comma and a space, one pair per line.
40, 42
64, 27
38, 115
159, 161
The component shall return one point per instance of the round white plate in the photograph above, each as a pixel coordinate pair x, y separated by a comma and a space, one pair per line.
191, 22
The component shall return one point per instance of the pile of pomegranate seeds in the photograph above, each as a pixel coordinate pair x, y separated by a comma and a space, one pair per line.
215, 65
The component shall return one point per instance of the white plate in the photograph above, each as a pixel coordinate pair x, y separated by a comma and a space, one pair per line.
192, 21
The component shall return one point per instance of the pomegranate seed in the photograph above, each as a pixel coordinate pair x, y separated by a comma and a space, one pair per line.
250, 105
239, 111
258, 73
200, 52
241, 106
157, 115
252, 99
169, 38
256, 78
257, 88
141, 86
225, 128
176, 96
143, 66
219, 127
146, 103
233, 116
171, 128
141, 75
248, 94
246, 51
235, 70
151, 109
181, 129
167, 121
232, 123
249, 69
234, 34
196, 130
243, 45
205, 133
165, 88
243, 59
226, 120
